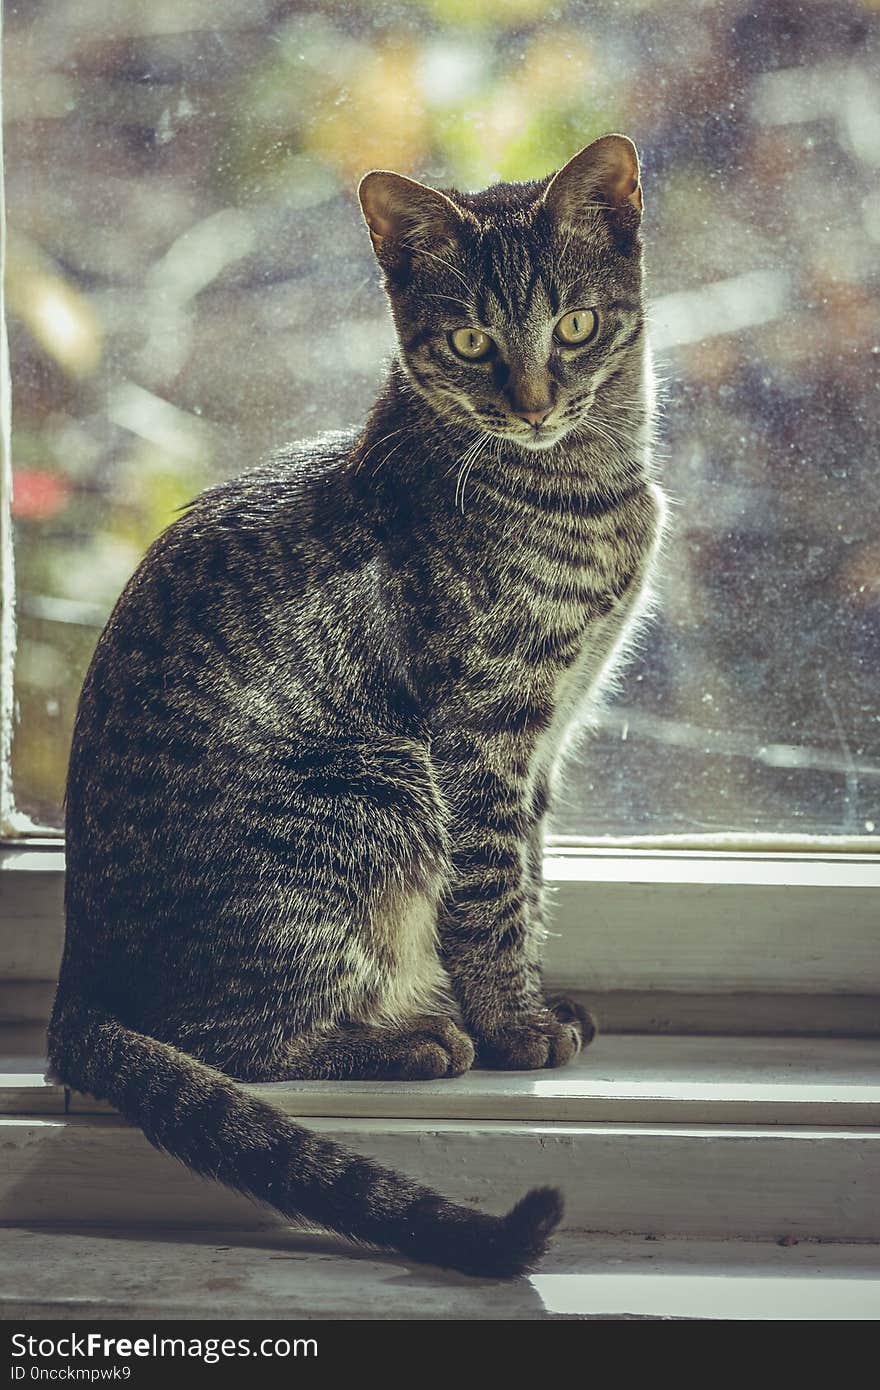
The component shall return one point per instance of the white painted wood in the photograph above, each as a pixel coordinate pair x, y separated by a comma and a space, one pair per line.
283, 1275
619, 1079
710, 1181
711, 842
634, 1080
36, 846
628, 1081
25, 1001
682, 931
31, 948
32, 856
757, 1013
582, 864
31, 914
605, 1103
624, 922
28, 1093
96, 1169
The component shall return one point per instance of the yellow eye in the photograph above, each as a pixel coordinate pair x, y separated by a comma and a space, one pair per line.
578, 327
471, 343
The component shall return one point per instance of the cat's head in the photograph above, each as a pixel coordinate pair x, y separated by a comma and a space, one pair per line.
515, 306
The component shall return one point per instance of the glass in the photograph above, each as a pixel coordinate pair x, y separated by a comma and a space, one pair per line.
189, 284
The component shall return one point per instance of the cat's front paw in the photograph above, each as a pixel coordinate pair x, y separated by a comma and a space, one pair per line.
433, 1047
550, 1038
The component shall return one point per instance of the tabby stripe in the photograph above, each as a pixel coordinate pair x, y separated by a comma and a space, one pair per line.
415, 341
551, 291
498, 814
565, 591
553, 647
510, 939
486, 889
165, 593
570, 557
502, 717
540, 800
571, 504
537, 647
580, 537
510, 911
485, 856
627, 342
530, 293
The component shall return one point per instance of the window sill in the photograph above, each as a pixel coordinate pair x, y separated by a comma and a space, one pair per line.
618, 1080
761, 1138
658, 940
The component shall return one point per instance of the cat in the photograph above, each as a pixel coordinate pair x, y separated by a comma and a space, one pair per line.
314, 750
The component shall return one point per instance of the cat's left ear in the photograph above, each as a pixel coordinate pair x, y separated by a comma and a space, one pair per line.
606, 174
403, 215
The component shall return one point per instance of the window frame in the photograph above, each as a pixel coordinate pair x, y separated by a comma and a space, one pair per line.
7, 553
684, 875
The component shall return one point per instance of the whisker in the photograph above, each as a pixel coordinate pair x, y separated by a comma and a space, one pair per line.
476, 454
420, 251
390, 454
616, 443
463, 462
466, 463
451, 297
390, 435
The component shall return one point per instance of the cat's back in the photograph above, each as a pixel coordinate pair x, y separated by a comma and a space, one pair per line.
268, 525
240, 553
233, 614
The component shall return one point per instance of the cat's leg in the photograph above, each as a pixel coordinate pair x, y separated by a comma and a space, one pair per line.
396, 1023
315, 901
490, 944
492, 928
365, 1030
566, 1010
250, 1045
424, 1048
536, 893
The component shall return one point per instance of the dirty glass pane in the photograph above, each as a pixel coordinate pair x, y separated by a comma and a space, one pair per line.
189, 285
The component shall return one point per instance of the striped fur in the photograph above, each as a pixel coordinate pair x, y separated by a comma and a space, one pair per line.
315, 749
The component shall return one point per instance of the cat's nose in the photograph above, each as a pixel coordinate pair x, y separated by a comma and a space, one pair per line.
535, 418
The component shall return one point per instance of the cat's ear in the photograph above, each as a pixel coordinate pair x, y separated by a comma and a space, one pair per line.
403, 215
605, 173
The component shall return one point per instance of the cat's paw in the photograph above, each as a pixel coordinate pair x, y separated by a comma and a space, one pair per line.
570, 1011
433, 1047
550, 1038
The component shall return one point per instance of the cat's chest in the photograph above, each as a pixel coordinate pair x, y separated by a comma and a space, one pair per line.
542, 649
539, 626
553, 588
521, 660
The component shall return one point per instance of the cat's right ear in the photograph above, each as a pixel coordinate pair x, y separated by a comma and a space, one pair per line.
604, 175
405, 216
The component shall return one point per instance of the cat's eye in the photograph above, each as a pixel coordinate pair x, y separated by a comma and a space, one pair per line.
577, 328
471, 343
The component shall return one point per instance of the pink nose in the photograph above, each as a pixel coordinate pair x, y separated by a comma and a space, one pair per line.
535, 418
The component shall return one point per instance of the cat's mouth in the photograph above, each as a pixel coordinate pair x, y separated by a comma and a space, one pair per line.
538, 439
534, 438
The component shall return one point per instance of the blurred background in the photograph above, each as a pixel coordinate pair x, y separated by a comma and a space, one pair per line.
189, 285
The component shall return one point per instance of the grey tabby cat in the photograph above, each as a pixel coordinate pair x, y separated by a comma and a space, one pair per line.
314, 750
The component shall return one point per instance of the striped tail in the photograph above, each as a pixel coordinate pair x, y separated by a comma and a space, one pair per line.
205, 1120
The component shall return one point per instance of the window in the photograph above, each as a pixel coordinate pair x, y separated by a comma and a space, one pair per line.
188, 284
